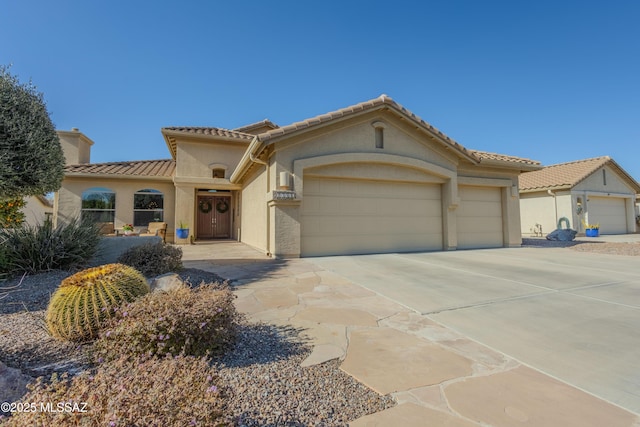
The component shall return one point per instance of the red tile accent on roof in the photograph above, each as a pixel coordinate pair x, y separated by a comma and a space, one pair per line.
151, 168
562, 175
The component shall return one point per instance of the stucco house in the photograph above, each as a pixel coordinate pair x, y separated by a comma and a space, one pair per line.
37, 209
596, 191
368, 178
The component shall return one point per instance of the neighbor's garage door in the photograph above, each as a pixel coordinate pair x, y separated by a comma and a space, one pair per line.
479, 217
609, 212
341, 216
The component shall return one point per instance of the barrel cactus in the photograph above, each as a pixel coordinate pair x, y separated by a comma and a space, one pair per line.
83, 302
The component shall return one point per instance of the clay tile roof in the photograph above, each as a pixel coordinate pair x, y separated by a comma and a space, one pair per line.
250, 127
562, 175
141, 168
210, 131
483, 155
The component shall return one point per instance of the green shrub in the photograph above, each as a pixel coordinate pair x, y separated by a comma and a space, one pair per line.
173, 391
84, 301
43, 247
153, 259
195, 322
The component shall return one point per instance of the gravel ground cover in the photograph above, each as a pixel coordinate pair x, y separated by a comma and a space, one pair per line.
262, 373
613, 248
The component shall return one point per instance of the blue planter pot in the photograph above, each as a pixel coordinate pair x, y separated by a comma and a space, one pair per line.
182, 233
592, 232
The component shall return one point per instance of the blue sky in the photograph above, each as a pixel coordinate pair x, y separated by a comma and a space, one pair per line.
550, 80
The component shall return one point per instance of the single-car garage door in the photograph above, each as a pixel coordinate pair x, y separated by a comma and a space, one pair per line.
609, 212
344, 216
480, 217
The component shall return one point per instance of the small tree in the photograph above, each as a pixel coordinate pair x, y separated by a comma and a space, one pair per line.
31, 158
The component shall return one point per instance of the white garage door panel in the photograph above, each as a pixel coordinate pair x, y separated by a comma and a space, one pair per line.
342, 216
609, 212
480, 217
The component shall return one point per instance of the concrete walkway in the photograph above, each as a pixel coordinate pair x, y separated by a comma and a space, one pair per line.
437, 376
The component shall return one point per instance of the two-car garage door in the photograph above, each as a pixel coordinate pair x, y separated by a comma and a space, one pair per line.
348, 216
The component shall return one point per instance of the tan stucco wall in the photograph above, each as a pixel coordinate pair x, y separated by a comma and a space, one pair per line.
595, 182
541, 208
359, 137
193, 159
68, 200
35, 212
253, 205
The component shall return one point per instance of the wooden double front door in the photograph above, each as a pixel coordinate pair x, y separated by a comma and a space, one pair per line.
214, 217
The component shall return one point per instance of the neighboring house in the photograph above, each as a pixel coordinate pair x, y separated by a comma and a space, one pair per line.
368, 178
596, 191
37, 209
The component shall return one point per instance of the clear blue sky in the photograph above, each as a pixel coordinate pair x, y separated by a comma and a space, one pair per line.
550, 80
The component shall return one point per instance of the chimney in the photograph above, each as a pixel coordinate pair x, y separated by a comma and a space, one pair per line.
76, 146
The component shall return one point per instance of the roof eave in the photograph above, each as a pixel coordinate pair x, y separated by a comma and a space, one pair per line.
171, 143
551, 188
505, 164
253, 150
634, 184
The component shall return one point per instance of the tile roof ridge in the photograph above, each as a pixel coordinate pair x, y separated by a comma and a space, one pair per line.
203, 128
493, 153
325, 117
265, 122
591, 159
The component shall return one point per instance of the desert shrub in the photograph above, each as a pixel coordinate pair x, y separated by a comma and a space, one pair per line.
43, 247
172, 391
153, 259
11, 214
4, 259
196, 322
84, 301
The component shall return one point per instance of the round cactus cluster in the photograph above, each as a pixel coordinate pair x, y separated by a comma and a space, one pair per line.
84, 301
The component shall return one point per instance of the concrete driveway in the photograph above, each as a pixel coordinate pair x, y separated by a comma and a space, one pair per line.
572, 315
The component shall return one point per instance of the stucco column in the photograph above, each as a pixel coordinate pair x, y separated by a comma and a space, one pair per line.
512, 233
284, 228
450, 202
184, 212
630, 206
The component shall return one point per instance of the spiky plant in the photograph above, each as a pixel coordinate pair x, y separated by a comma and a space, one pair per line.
85, 300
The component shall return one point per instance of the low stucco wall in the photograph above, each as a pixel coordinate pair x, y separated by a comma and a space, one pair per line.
110, 248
